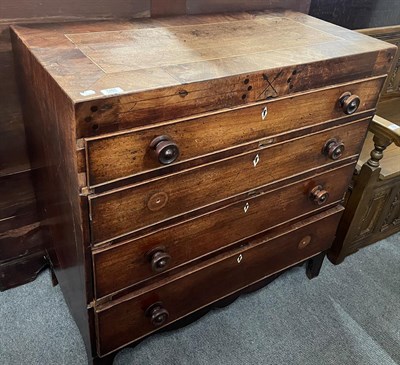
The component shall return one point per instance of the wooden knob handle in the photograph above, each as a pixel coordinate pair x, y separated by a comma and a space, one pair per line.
318, 195
349, 103
165, 149
157, 314
333, 149
159, 259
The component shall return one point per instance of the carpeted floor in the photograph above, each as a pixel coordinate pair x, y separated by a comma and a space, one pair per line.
349, 315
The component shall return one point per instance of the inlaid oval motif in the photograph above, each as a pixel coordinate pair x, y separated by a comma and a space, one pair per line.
305, 241
157, 201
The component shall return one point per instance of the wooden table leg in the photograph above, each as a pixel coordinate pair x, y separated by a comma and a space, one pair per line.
314, 265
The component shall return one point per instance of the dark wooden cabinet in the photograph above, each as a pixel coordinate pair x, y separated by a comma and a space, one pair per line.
175, 154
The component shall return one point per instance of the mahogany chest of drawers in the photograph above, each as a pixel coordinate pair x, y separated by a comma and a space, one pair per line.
181, 161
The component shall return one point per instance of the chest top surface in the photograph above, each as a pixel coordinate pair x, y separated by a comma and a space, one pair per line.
97, 59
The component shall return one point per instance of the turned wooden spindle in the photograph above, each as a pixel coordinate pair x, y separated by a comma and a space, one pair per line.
380, 143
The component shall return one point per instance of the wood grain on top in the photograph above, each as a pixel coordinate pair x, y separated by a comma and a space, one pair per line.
126, 50
139, 55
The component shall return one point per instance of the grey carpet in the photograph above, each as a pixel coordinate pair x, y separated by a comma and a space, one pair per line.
350, 314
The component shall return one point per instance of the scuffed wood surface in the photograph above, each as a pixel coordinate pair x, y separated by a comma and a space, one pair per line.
19, 236
101, 56
21, 270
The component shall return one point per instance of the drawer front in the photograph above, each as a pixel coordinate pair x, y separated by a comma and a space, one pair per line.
121, 323
123, 211
127, 154
128, 263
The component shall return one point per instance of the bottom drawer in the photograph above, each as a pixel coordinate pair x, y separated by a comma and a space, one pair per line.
128, 318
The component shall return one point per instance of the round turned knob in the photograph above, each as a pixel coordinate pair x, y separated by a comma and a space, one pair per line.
158, 314
349, 103
165, 149
318, 195
333, 149
159, 259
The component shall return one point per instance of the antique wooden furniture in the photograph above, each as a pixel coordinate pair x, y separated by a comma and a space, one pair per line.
179, 161
22, 246
373, 202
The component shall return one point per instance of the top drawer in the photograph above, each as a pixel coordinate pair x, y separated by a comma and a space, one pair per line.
130, 153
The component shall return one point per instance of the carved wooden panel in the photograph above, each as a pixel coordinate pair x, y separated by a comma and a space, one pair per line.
375, 206
392, 217
381, 216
